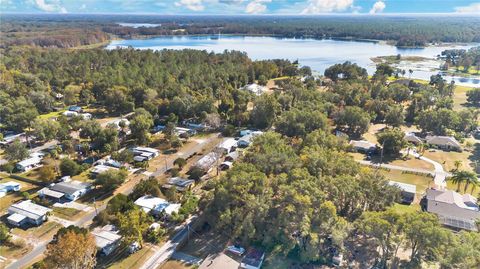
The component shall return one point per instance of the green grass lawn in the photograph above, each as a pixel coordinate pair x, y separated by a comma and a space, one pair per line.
452, 186
133, 261
422, 182
53, 114
38, 232
403, 209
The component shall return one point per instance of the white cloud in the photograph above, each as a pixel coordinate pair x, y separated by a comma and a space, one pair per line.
326, 6
257, 6
473, 8
194, 5
378, 7
51, 6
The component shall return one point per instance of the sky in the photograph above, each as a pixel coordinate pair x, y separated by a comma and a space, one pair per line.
239, 7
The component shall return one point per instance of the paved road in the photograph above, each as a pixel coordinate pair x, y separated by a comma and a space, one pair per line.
85, 220
166, 251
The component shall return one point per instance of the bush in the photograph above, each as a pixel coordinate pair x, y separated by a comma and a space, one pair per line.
174, 172
196, 173
8, 167
4, 234
229, 130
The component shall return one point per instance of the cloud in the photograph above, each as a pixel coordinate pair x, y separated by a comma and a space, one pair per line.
52, 6
194, 5
257, 6
327, 6
472, 8
378, 7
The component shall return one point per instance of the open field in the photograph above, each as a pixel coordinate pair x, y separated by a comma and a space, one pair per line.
171, 264
402, 209
447, 158
41, 231
409, 162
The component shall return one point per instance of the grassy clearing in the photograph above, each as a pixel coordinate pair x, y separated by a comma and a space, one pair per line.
14, 197
133, 261
38, 232
452, 186
404, 209
50, 115
447, 158
171, 264
422, 182
13, 252
66, 213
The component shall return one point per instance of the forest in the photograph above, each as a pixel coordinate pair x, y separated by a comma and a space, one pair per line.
296, 192
73, 30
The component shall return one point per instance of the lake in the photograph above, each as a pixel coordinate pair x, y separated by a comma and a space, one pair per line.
318, 54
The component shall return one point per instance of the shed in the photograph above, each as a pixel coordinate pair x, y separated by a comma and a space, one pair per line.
408, 191
107, 239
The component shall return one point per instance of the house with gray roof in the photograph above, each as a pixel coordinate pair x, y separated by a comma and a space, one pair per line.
444, 142
455, 210
71, 190
363, 146
407, 191
107, 239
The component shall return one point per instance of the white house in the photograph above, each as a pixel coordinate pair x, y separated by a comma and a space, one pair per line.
100, 169
9, 138
156, 206
255, 88
245, 140
207, 162
107, 239
363, 146
227, 145
26, 212
453, 209
34, 160
179, 183
444, 142
70, 114
412, 138
7, 187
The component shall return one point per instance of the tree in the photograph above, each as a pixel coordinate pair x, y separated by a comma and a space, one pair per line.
354, 119
47, 173
18, 114
347, 71
392, 139
16, 151
425, 237
465, 252
111, 179
464, 177
148, 186
46, 129
180, 162
301, 122
386, 229
69, 167
395, 116
4, 234
264, 112
120, 203
133, 225
124, 156
140, 125
473, 96
73, 250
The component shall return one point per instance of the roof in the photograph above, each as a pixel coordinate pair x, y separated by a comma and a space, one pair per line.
412, 137
69, 187
219, 261
207, 161
443, 140
254, 257
51, 193
148, 203
105, 236
255, 88
233, 155
465, 201
364, 144
8, 185
29, 209
228, 144
249, 137
170, 208
30, 161
180, 182
404, 186
101, 168
15, 217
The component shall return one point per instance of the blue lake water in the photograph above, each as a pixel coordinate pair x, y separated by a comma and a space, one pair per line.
318, 54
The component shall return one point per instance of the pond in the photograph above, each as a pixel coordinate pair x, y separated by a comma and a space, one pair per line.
319, 54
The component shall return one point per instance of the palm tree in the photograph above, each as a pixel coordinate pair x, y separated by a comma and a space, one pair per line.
466, 177
457, 165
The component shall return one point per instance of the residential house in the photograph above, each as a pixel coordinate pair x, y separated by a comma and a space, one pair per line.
70, 114
219, 261
452, 208
179, 183
27, 213
412, 138
444, 142
363, 146
107, 239
33, 161
245, 140
7, 187
227, 145
98, 169
207, 162
180, 131
144, 154
8, 138
156, 206
76, 109
72, 190
408, 191
232, 156
255, 88
253, 259
226, 165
